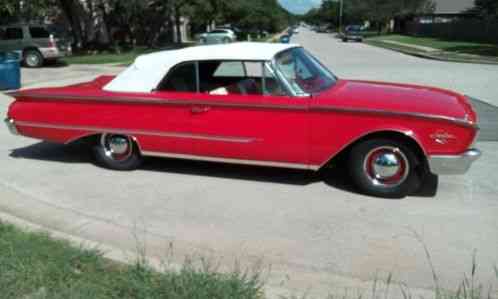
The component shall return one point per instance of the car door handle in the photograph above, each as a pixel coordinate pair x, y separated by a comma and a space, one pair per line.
200, 109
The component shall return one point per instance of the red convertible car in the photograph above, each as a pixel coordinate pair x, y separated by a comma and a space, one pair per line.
258, 104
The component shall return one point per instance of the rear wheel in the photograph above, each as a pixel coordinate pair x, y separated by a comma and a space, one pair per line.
33, 58
384, 168
202, 40
226, 40
117, 152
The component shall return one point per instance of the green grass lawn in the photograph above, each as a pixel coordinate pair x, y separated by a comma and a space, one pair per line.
104, 58
125, 58
443, 45
34, 266
128, 57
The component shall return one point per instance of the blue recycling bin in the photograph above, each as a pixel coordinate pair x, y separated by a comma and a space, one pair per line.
10, 70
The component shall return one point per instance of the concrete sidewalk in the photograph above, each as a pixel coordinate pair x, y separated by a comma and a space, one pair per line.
417, 47
431, 53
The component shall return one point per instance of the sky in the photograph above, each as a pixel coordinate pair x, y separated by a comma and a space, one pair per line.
300, 6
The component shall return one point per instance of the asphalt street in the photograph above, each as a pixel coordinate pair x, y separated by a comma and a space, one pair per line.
315, 231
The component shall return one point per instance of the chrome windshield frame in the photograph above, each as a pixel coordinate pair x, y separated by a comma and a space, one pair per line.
287, 84
283, 81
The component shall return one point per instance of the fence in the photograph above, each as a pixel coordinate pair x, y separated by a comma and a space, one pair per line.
461, 30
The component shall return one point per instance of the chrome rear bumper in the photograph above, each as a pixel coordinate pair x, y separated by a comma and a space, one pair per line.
11, 125
453, 165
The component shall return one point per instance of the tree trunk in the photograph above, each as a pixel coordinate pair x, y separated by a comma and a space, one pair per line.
178, 24
74, 19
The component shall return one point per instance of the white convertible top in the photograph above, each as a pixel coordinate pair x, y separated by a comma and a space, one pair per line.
147, 71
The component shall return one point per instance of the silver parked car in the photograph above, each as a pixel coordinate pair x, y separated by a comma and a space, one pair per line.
218, 36
34, 42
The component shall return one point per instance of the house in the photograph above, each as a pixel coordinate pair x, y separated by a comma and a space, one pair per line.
452, 6
446, 11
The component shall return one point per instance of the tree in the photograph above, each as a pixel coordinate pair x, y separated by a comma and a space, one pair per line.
328, 13
378, 12
487, 9
97, 22
33, 10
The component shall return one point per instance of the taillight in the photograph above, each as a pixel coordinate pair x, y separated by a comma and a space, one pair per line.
51, 42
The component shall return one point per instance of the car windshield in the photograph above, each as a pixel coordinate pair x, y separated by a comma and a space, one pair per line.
305, 73
354, 28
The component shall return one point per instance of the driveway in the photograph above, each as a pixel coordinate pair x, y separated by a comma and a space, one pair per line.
315, 231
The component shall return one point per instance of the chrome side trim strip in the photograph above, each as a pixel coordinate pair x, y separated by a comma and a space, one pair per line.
231, 161
139, 132
457, 121
159, 101
155, 101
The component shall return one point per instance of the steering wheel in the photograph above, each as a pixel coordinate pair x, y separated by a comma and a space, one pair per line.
247, 86
242, 88
309, 83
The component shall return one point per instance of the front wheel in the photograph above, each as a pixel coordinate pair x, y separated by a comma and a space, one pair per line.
384, 168
117, 152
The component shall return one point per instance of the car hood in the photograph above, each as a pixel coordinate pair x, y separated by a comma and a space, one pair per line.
397, 98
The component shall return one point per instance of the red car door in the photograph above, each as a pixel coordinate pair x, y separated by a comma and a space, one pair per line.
169, 124
252, 128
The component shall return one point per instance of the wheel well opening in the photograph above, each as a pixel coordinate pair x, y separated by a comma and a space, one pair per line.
29, 49
392, 135
90, 140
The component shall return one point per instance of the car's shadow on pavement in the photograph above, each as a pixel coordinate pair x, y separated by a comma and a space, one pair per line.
230, 171
336, 177
79, 153
46, 151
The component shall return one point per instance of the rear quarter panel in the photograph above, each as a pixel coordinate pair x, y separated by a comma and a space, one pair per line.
63, 120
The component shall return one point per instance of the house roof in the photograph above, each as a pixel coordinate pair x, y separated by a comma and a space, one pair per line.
148, 70
452, 6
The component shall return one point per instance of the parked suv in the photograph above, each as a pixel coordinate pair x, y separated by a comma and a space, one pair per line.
35, 43
353, 33
218, 36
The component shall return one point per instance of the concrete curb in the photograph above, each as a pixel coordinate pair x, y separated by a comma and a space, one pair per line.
434, 57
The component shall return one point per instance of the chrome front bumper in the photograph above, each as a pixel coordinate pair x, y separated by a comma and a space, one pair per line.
11, 125
453, 165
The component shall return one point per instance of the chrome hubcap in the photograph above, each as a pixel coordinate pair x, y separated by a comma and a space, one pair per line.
32, 60
386, 166
117, 147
